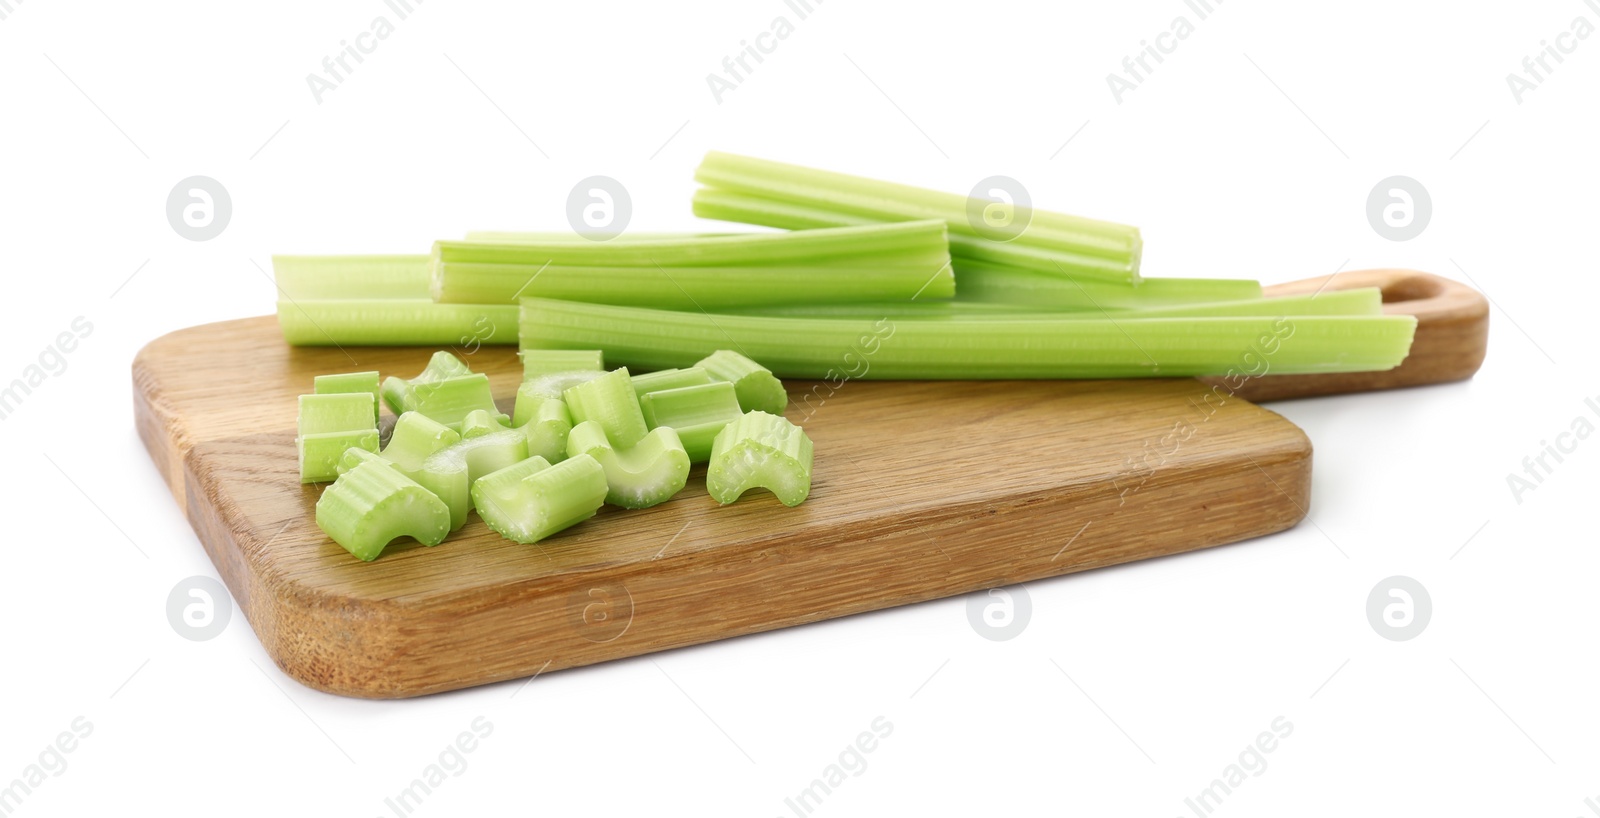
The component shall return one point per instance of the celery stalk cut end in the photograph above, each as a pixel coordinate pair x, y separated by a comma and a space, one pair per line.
545, 421
372, 504
757, 389
648, 473
760, 450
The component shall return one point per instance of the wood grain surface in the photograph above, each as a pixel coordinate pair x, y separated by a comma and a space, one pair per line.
921, 491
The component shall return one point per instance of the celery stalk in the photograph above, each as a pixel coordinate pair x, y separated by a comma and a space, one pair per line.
977, 349
381, 300
758, 390
332, 278
900, 309
801, 246
991, 283
1357, 301
610, 402
867, 263
764, 192
760, 450
529, 501
965, 251
384, 322
1354, 301
535, 237
879, 277
372, 504
638, 476
696, 413
733, 206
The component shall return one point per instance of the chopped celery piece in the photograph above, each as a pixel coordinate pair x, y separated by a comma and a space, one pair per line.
329, 424
336, 413
449, 401
669, 379
760, 451
481, 422
396, 391
484, 453
696, 413
758, 191
545, 421
530, 399
609, 401
875, 262
446, 463
447, 479
450, 472
638, 476
354, 457
962, 349
991, 283
372, 504
442, 365
536, 362
320, 452
395, 322
531, 500
556, 384
758, 390
416, 436
350, 382
446, 391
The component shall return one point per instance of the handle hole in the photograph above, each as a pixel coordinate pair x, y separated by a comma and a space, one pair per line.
1413, 288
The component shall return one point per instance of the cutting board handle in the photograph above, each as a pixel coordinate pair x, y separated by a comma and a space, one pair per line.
1452, 334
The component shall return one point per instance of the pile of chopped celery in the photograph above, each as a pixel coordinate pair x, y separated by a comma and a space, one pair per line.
864, 279
580, 437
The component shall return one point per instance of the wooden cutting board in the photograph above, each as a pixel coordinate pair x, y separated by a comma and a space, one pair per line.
920, 491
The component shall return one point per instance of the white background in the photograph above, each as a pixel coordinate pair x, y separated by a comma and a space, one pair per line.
1249, 152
